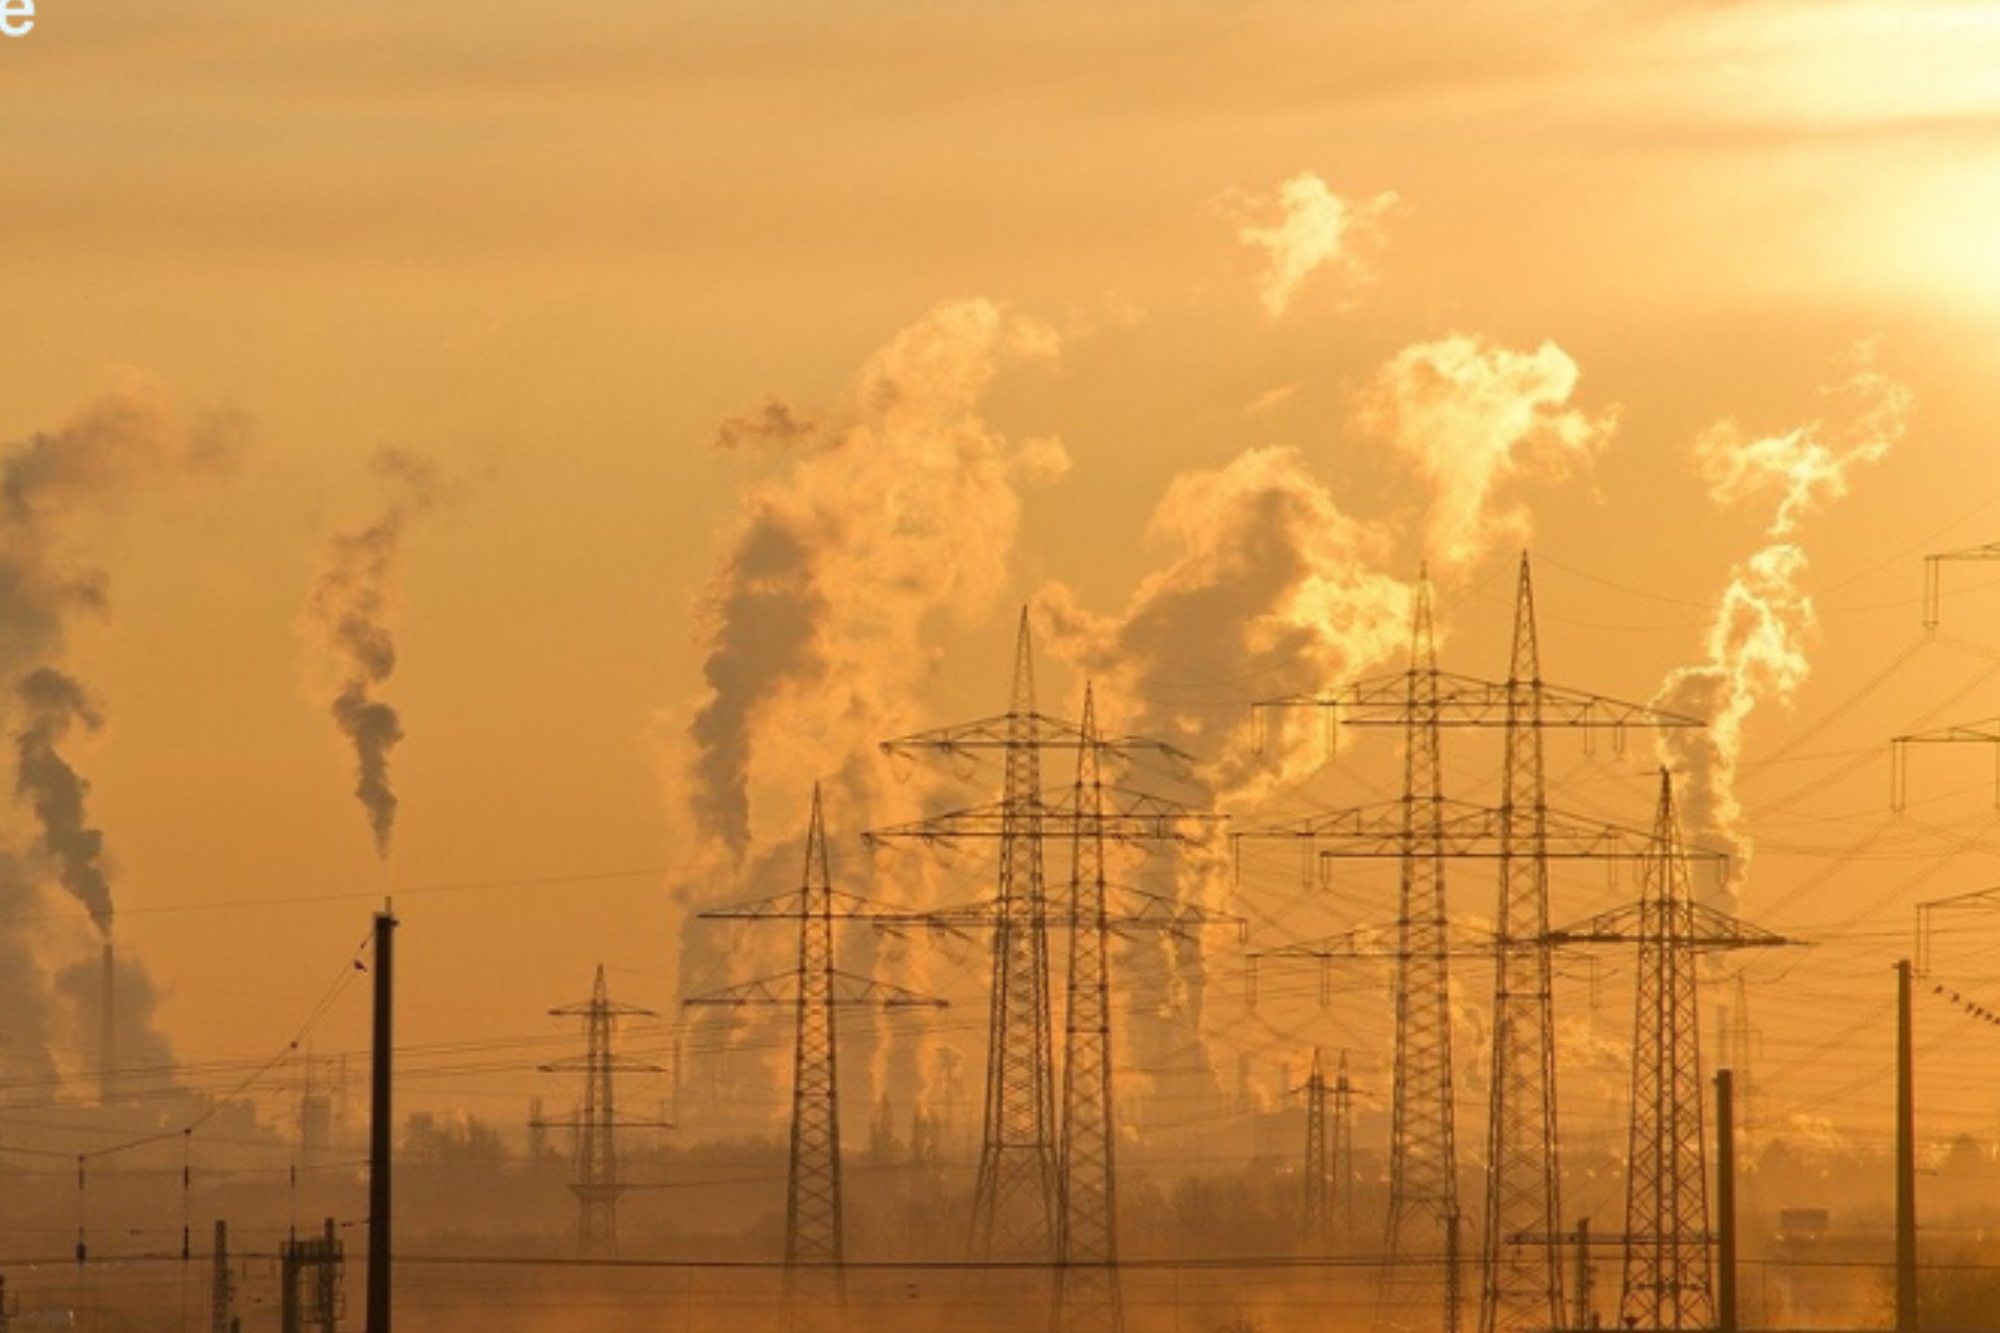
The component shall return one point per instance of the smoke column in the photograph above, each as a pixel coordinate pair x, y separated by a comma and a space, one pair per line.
347, 611
124, 445
1756, 644
882, 515
52, 704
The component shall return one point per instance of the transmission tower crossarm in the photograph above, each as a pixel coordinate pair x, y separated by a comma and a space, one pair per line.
1126, 816
1004, 730
579, 1064
1932, 572
1708, 929
1986, 729
1134, 909
1355, 943
1465, 830
1986, 900
783, 989
791, 906
1469, 701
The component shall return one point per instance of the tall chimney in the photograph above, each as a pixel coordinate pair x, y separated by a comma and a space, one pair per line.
381, 1130
107, 1040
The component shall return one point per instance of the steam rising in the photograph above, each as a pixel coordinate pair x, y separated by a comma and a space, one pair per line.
1756, 646
1266, 587
1266, 584
903, 506
54, 487
348, 611
52, 704
890, 509
1473, 416
1315, 229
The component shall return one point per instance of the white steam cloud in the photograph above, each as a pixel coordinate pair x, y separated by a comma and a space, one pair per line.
891, 509
1266, 587
1315, 230
1473, 416
1756, 645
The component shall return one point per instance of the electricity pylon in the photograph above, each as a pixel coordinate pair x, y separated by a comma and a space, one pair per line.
1522, 1284
1423, 1161
815, 1247
1088, 1298
1016, 1204
1342, 1217
1523, 1262
597, 1186
1316, 1217
1668, 1278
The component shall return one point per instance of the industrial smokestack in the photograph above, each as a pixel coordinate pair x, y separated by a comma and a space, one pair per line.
107, 1039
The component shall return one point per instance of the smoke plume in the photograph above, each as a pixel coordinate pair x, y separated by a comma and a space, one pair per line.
57, 491
889, 510
1473, 415
1315, 230
52, 704
1756, 645
1266, 588
347, 611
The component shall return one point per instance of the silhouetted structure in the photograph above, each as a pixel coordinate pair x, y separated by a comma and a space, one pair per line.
309, 1273
1522, 1262
1017, 1202
815, 1245
222, 1284
1316, 1214
597, 1185
1087, 1295
1668, 1280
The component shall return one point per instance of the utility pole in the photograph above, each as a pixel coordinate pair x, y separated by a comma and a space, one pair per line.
1725, 1201
597, 1185
1906, 1158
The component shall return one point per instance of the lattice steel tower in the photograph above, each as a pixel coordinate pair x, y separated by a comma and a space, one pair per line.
1014, 1204
813, 1226
1020, 1205
1668, 1277
815, 1245
1523, 1268
1087, 1295
597, 1186
1423, 1154
1523, 1283
1316, 1216
1343, 1151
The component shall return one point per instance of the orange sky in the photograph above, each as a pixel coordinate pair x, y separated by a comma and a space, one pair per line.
554, 254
